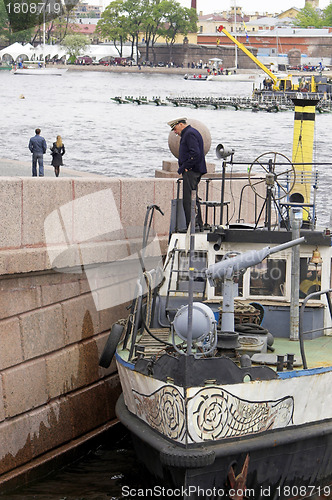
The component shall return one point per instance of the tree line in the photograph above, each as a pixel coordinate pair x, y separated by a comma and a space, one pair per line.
127, 20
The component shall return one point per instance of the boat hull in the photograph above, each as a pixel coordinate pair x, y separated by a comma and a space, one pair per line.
282, 464
233, 78
40, 71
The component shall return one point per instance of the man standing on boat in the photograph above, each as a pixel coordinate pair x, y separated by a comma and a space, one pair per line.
191, 165
38, 148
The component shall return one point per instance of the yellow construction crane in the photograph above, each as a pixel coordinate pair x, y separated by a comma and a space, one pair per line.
280, 84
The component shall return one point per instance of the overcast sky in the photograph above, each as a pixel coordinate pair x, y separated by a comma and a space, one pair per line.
249, 6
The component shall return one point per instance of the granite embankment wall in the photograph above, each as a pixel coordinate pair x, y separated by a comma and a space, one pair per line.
52, 391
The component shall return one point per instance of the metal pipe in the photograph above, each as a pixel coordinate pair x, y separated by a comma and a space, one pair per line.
191, 272
301, 332
296, 222
222, 191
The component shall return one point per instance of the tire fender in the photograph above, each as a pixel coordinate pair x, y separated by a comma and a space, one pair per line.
111, 345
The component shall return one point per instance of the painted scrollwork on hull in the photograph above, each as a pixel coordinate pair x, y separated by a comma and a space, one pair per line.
164, 410
213, 414
218, 414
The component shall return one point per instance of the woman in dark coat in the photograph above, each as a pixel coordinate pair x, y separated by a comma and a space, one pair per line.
58, 150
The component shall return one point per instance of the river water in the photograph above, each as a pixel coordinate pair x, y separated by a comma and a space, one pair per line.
132, 141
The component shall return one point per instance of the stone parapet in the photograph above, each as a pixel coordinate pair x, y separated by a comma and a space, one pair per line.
170, 170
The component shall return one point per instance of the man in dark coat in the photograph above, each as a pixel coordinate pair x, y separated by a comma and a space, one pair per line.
191, 165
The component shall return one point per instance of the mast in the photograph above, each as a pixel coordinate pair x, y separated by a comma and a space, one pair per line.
44, 29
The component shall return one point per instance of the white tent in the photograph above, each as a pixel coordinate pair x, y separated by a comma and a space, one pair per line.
96, 52
50, 51
29, 52
16, 50
101, 51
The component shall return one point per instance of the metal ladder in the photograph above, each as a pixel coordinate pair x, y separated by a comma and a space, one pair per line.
175, 251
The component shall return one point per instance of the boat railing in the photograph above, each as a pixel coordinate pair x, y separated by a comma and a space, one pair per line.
212, 204
279, 195
301, 320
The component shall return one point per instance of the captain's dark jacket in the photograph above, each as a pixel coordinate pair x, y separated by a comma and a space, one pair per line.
191, 152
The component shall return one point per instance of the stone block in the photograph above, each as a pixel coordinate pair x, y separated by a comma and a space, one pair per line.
65, 371
10, 343
81, 318
22, 260
50, 426
113, 391
84, 284
163, 174
18, 300
170, 166
2, 404
83, 187
111, 315
89, 360
11, 213
57, 292
38, 204
136, 195
15, 443
24, 387
42, 331
89, 408
165, 191
211, 168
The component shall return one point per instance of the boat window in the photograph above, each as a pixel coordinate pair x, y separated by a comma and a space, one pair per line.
310, 277
199, 263
268, 278
218, 287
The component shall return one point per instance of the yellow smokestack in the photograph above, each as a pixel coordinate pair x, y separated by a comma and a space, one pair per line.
303, 142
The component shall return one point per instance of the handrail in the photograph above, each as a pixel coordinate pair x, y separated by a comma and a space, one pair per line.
301, 332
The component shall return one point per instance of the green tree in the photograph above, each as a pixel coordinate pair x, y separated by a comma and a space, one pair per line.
327, 13
74, 45
7, 36
113, 25
122, 20
135, 14
125, 20
308, 16
59, 28
155, 14
177, 20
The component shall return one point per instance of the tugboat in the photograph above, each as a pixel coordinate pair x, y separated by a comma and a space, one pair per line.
225, 359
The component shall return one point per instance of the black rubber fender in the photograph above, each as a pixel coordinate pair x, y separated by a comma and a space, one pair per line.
111, 345
184, 458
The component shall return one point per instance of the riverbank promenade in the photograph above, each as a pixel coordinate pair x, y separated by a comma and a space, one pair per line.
15, 168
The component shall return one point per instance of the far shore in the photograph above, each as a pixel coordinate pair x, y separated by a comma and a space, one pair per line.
164, 70
140, 69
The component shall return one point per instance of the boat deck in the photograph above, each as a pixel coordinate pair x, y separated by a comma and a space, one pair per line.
318, 351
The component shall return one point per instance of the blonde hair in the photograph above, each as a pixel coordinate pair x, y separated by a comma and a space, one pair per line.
58, 141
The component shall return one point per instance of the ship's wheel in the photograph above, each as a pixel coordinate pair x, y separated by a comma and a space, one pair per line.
276, 173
